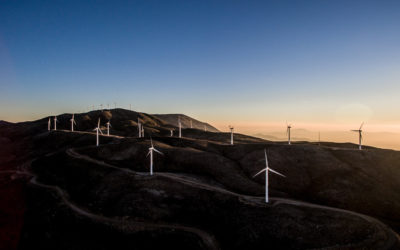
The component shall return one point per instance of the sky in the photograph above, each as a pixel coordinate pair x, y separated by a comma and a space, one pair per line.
320, 65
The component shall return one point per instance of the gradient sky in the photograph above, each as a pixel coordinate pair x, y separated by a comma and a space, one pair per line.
253, 64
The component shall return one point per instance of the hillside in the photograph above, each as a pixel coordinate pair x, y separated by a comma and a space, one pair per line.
74, 195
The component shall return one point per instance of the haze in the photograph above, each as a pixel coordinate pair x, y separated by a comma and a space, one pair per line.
321, 65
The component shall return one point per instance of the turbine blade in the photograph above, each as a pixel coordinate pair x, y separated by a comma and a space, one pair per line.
101, 132
275, 172
158, 151
260, 172
362, 124
148, 153
266, 158
151, 141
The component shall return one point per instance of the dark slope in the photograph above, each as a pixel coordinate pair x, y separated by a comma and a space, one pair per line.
192, 202
203, 193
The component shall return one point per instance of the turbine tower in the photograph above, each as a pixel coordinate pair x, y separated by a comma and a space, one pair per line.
139, 127
151, 150
231, 128
267, 170
191, 124
55, 122
288, 127
97, 129
142, 131
319, 138
172, 132
180, 126
205, 128
49, 124
359, 136
108, 128
72, 122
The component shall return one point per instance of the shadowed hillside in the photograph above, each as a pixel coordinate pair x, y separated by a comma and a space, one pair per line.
74, 195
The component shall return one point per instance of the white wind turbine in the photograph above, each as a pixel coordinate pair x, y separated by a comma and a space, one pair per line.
142, 131
359, 136
139, 127
172, 132
231, 128
73, 122
288, 127
108, 127
49, 124
55, 122
319, 138
151, 150
180, 126
267, 170
97, 129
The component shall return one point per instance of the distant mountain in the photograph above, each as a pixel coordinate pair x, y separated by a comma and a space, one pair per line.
278, 136
187, 122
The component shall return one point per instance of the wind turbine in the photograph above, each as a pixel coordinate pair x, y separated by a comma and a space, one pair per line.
319, 138
151, 150
205, 128
108, 127
267, 170
55, 122
49, 124
359, 135
288, 127
180, 126
139, 127
97, 129
191, 124
172, 132
73, 122
231, 128
142, 131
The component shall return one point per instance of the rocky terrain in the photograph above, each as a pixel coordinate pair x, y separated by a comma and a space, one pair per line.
60, 191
